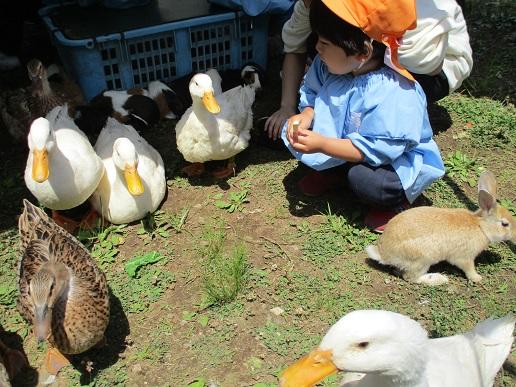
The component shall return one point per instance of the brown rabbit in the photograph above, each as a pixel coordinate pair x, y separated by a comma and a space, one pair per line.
423, 236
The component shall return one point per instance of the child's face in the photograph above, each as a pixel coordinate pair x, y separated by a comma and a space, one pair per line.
335, 57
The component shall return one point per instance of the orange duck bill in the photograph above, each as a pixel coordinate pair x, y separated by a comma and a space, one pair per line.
309, 370
210, 103
133, 181
40, 170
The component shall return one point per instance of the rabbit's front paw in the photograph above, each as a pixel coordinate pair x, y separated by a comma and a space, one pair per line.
475, 277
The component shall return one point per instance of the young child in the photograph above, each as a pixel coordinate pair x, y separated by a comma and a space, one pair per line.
436, 52
355, 109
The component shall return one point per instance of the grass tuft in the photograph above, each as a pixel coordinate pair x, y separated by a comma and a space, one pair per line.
224, 275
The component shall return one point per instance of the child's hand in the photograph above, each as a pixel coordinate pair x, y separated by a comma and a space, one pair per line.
307, 141
302, 120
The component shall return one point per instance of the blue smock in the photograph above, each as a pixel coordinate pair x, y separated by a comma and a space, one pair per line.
382, 113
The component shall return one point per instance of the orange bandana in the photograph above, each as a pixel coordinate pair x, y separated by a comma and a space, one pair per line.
382, 20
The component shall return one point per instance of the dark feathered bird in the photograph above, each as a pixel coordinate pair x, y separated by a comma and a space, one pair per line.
18, 108
137, 110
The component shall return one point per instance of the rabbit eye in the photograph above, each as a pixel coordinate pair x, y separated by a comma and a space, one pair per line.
505, 223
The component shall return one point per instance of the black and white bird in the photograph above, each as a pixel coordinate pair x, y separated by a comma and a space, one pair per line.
140, 108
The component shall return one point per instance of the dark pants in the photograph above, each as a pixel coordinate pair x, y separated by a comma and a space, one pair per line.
436, 87
376, 186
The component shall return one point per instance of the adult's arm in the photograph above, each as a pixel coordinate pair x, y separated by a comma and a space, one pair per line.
293, 70
294, 34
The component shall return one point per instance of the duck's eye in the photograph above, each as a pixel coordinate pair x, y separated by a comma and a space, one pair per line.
363, 344
505, 223
52, 288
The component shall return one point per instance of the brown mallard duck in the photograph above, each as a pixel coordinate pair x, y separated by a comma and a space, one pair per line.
62, 291
18, 108
15, 112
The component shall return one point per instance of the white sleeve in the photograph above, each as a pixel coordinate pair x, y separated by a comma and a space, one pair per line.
440, 40
296, 30
458, 61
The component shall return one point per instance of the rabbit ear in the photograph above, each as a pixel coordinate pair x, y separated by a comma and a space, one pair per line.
487, 192
486, 201
487, 182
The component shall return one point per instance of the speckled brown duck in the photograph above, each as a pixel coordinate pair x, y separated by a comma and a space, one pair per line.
62, 291
18, 108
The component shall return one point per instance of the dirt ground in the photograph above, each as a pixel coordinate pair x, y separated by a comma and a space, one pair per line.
295, 261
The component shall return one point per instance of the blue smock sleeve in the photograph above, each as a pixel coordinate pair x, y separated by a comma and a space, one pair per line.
391, 123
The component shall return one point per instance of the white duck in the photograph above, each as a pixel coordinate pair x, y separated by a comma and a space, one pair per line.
134, 182
390, 349
62, 169
215, 128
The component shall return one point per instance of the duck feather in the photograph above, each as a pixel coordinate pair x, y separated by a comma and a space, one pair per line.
80, 317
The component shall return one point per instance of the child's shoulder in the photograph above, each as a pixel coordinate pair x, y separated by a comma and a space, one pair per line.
388, 82
385, 76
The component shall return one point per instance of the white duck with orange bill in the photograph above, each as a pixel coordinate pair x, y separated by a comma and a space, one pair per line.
134, 183
62, 168
387, 349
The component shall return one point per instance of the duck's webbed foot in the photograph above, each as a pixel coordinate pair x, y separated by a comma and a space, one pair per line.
194, 169
229, 170
54, 361
65, 222
90, 220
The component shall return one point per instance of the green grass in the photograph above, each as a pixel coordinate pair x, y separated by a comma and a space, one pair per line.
103, 242
224, 274
215, 348
461, 167
9, 256
287, 339
197, 301
160, 224
485, 122
142, 284
510, 205
146, 287
490, 23
233, 202
333, 237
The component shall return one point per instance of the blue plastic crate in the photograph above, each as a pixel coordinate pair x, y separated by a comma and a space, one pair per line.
134, 57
